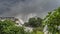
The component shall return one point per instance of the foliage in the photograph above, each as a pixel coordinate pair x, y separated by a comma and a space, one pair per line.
53, 20
34, 22
8, 27
37, 32
4, 24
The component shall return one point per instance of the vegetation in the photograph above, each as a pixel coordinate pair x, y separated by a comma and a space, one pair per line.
34, 22
52, 20
8, 27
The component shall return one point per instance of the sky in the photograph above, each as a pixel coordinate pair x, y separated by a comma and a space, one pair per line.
25, 9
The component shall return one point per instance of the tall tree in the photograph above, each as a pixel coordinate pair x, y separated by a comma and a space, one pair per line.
53, 21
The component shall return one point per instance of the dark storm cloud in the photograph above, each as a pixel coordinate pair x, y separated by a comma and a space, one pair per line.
27, 8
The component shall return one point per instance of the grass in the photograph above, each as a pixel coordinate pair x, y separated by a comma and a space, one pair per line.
39, 32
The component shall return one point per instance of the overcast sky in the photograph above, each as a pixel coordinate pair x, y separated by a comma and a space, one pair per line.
27, 8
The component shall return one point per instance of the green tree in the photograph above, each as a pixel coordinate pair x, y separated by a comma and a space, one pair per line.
8, 27
4, 24
53, 21
34, 22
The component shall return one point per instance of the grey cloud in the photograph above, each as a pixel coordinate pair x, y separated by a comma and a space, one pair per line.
26, 8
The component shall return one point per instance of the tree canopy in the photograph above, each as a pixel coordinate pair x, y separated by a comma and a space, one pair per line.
8, 27
53, 20
34, 22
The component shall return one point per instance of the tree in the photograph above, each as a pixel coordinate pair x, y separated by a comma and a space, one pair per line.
5, 24
53, 21
34, 22
8, 27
